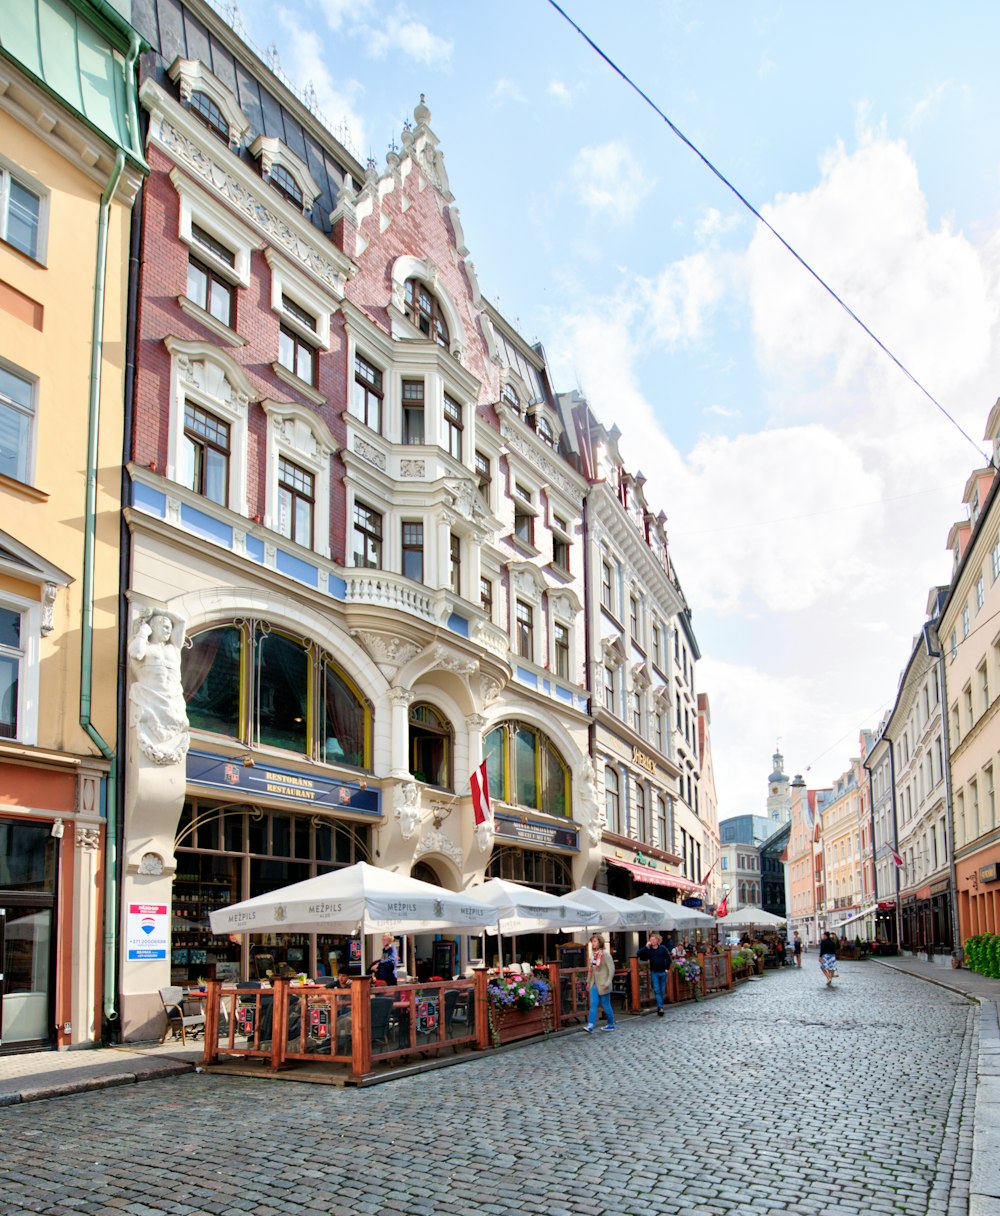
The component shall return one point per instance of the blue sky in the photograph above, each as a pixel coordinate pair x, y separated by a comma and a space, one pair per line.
809, 486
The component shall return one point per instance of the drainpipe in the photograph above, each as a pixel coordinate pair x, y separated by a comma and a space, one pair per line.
89, 536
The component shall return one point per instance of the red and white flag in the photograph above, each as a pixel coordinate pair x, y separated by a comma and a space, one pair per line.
895, 856
479, 783
723, 908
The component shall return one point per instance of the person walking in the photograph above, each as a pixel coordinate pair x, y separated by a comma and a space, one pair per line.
797, 949
656, 954
828, 957
600, 975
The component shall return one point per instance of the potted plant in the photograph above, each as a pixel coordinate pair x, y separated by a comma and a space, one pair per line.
518, 1006
688, 971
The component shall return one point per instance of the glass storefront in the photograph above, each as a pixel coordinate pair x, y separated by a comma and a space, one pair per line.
27, 934
229, 853
532, 868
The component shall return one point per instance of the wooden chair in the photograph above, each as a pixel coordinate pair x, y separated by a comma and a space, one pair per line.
178, 1021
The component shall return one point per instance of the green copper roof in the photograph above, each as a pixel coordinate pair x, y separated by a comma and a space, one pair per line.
75, 50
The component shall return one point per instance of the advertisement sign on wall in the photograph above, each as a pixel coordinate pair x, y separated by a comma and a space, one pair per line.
147, 932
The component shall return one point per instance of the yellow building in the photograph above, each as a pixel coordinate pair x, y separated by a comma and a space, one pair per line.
70, 166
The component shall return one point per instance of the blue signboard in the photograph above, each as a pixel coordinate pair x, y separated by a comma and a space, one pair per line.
264, 782
544, 835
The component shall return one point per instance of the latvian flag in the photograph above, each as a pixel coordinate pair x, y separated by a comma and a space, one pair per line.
723, 908
895, 856
479, 783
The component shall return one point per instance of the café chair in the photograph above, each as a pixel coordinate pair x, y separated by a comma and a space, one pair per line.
178, 1021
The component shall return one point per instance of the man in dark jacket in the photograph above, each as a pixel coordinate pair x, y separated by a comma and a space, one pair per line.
658, 956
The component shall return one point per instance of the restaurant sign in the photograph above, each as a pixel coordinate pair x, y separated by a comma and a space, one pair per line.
261, 781
643, 761
988, 873
544, 835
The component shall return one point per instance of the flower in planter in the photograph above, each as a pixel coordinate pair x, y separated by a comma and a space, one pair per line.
521, 993
689, 970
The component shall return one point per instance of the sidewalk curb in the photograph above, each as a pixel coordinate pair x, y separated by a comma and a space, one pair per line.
88, 1084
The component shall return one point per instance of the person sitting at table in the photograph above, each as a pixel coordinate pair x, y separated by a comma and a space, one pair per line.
678, 954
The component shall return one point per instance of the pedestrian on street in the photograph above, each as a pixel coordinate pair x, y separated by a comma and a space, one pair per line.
797, 949
656, 954
600, 975
828, 957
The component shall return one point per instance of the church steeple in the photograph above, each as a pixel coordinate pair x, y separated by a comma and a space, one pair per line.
779, 798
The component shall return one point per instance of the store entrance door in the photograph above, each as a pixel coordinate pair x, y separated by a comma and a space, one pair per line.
27, 936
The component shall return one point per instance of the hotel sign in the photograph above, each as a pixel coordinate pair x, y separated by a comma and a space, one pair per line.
262, 782
643, 761
543, 835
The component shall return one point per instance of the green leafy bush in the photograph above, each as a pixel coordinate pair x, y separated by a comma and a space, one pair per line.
982, 954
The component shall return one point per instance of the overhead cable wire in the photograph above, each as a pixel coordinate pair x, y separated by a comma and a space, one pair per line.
770, 227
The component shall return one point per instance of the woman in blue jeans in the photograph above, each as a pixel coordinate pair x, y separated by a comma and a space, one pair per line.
600, 975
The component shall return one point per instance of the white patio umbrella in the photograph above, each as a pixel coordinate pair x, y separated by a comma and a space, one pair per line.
674, 916
356, 899
754, 917
610, 912
521, 909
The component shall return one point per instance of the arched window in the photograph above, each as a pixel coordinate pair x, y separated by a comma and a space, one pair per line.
543, 871
525, 769
206, 110
545, 433
430, 746
612, 798
286, 185
263, 686
423, 309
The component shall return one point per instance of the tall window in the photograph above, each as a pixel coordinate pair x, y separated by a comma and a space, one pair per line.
17, 419
658, 732
296, 502
11, 658
560, 644
205, 286
486, 597
612, 799
524, 630
633, 617
661, 823
636, 710
640, 828
456, 564
413, 411
20, 215
606, 586
366, 401
995, 560
286, 185
205, 109
413, 551
526, 769
980, 593
484, 476
560, 544
524, 518
430, 746
367, 537
453, 427
296, 355
205, 454
609, 688
965, 621
421, 306
545, 432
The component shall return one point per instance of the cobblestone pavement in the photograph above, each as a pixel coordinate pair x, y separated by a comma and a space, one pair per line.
783, 1097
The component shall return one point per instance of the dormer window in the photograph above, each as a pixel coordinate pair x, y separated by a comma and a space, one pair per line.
545, 432
509, 395
286, 185
205, 109
422, 308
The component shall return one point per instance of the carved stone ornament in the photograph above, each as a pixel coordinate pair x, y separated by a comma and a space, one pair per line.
368, 451
416, 469
489, 689
465, 499
446, 660
401, 697
151, 863
590, 811
435, 841
389, 653
88, 840
406, 808
484, 836
157, 709
48, 603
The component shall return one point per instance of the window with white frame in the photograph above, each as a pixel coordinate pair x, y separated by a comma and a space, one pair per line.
995, 560
612, 799
484, 477
206, 454
560, 647
640, 828
303, 313
17, 425
609, 688
980, 593
486, 597
367, 537
655, 636
22, 213
661, 822
635, 709
368, 394
296, 502
606, 590
455, 562
524, 514
452, 427
299, 448
965, 621
413, 411
208, 285
413, 550
561, 544
524, 630
12, 655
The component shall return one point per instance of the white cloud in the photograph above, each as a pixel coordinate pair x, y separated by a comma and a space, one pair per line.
722, 411
560, 92
713, 223
304, 60
402, 33
678, 301
610, 179
336, 11
506, 89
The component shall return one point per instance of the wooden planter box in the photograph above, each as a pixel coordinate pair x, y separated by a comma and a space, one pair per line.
514, 1023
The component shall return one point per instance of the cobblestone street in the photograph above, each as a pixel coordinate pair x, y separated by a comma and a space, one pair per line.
784, 1096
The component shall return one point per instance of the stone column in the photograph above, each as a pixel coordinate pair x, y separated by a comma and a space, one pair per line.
401, 699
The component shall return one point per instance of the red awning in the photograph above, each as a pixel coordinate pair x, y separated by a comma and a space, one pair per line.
659, 878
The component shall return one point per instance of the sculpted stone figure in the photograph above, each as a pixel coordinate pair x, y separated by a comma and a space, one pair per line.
157, 709
407, 809
592, 813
